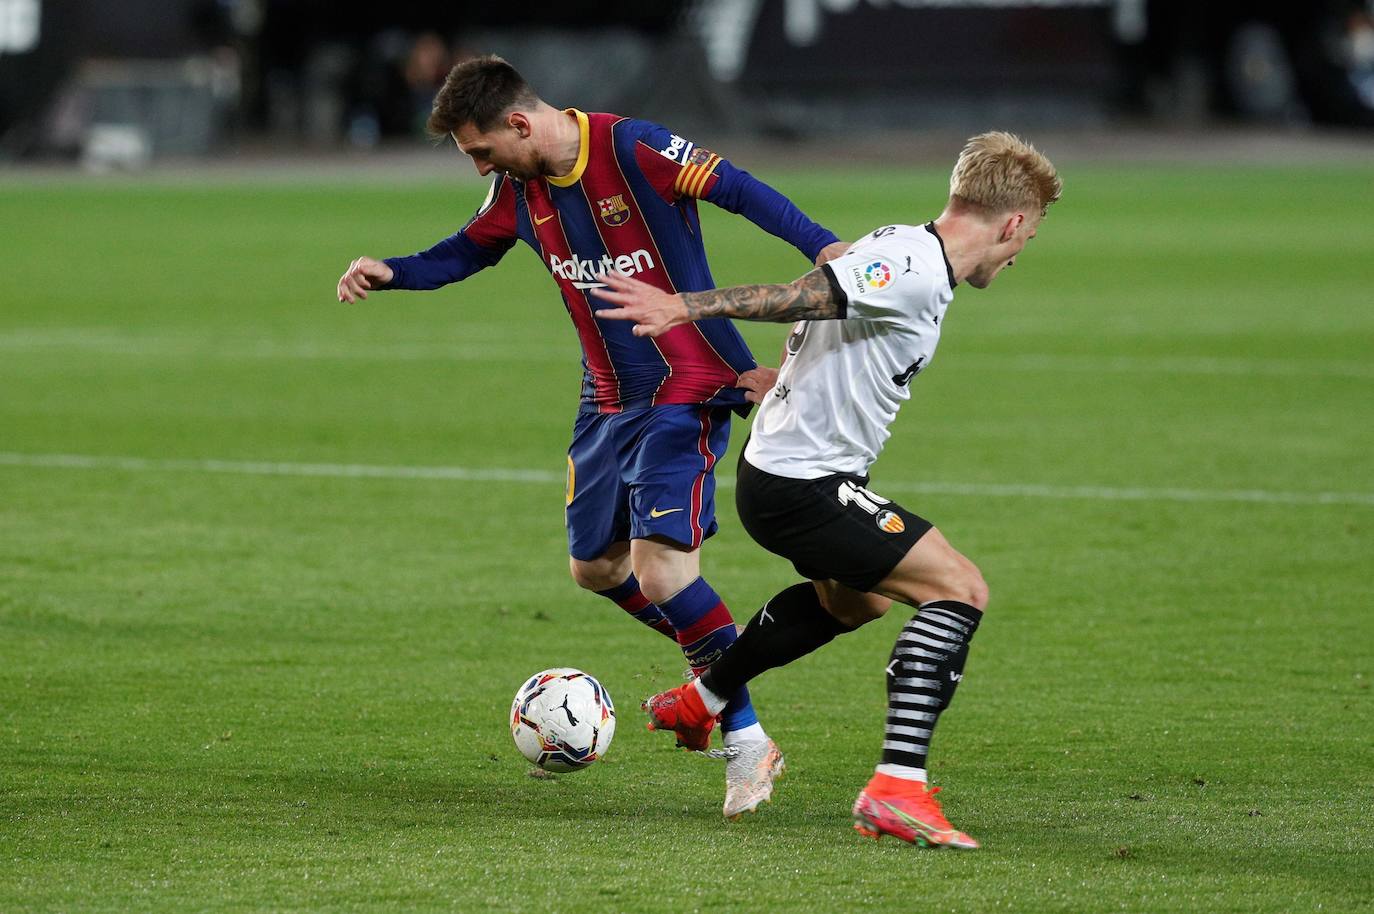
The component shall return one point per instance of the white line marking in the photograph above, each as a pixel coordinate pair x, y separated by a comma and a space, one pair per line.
1110, 493
263, 468
497, 474
1201, 365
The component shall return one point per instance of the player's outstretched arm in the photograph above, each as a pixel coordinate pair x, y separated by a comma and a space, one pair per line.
363, 275
831, 251
655, 312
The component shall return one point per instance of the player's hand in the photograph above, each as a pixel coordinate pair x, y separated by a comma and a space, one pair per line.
831, 251
363, 275
757, 382
654, 311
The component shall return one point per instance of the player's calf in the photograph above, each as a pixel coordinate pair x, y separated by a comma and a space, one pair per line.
849, 607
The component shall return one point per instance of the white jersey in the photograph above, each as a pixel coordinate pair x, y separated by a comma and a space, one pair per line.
844, 380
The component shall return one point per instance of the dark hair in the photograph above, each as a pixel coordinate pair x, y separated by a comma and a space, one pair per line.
478, 92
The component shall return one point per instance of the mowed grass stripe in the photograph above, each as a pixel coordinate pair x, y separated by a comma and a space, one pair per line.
506, 474
109, 342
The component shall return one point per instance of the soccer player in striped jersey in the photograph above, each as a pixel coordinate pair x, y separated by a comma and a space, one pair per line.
869, 323
594, 194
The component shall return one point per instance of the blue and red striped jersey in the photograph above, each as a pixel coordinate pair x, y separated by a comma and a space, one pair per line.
629, 205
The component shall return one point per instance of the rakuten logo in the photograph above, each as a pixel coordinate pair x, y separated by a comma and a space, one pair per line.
585, 274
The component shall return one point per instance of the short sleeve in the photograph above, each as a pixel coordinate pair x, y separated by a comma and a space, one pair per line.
877, 283
673, 164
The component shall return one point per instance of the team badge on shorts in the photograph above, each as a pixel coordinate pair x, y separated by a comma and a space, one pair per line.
890, 522
613, 210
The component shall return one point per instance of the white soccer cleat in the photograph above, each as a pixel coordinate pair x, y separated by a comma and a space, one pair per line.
750, 772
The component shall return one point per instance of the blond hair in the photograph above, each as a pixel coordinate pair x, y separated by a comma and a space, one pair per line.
999, 172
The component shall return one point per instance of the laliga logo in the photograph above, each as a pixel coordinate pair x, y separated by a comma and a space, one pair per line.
871, 276
586, 274
878, 274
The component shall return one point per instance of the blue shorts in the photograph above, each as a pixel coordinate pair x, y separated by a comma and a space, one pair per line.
647, 472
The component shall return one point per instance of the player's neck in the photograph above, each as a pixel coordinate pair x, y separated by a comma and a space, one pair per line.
565, 141
966, 242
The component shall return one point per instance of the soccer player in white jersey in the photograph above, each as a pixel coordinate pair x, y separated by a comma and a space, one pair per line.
868, 324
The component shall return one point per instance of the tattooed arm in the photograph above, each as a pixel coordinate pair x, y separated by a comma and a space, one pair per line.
812, 297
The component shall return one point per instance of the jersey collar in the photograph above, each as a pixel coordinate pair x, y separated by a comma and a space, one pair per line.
949, 270
572, 177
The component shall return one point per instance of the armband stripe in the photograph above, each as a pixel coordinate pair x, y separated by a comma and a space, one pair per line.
694, 181
703, 173
710, 170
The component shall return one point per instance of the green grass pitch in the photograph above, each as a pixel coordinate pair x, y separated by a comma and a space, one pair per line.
232, 690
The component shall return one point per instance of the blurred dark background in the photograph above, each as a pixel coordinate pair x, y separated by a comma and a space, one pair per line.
128, 83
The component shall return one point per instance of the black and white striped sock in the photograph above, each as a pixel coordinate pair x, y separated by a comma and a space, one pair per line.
926, 665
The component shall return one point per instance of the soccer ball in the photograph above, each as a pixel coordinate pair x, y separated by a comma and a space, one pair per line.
562, 719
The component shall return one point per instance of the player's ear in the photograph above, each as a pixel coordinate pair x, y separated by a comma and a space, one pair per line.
520, 123
1010, 227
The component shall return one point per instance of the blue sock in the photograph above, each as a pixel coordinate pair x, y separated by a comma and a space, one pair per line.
629, 598
705, 629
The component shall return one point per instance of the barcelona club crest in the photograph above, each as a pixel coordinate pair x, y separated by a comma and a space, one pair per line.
613, 210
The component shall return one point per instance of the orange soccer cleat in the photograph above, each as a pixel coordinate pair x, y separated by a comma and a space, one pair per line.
682, 711
907, 810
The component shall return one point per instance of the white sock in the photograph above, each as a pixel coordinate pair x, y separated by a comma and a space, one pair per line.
713, 702
905, 772
750, 734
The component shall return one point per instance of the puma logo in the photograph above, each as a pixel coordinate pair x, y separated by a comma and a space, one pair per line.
572, 721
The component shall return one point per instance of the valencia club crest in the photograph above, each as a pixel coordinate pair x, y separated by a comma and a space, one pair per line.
613, 210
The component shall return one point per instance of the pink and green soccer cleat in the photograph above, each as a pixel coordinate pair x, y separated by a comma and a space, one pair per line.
906, 810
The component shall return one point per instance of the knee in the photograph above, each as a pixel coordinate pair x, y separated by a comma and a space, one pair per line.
973, 588
657, 582
595, 575
977, 591
962, 582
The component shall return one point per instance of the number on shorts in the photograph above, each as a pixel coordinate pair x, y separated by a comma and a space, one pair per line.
850, 494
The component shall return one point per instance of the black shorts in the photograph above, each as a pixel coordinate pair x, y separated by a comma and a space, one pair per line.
828, 528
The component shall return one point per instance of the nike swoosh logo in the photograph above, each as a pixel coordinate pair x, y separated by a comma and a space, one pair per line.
654, 512
929, 831
538, 221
